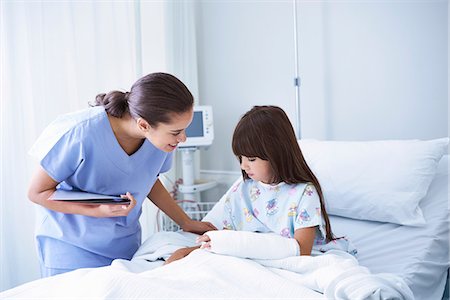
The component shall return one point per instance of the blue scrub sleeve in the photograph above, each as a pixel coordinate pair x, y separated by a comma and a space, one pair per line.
64, 157
167, 164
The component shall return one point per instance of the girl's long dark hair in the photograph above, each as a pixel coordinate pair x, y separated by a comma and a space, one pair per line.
153, 97
267, 133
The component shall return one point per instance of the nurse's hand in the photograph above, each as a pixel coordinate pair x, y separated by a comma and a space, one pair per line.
114, 210
198, 227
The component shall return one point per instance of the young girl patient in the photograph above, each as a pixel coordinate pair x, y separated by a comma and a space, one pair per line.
278, 192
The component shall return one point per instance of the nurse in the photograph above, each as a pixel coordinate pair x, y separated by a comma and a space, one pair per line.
117, 147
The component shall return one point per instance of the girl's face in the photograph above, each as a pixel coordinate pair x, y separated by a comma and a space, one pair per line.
257, 169
166, 136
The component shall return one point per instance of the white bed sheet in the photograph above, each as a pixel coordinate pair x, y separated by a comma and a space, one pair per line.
420, 255
206, 275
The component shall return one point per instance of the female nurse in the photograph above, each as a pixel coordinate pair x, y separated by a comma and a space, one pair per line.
117, 147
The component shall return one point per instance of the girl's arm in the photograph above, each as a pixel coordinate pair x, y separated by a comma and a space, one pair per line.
183, 252
305, 239
180, 253
42, 187
162, 199
247, 244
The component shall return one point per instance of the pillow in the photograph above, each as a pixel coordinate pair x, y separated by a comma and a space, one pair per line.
375, 180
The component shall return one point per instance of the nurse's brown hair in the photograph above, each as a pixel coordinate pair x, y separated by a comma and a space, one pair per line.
266, 132
154, 97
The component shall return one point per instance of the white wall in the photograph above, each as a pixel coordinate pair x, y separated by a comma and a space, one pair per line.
380, 67
369, 69
246, 54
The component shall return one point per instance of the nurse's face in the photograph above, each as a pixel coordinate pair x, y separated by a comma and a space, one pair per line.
166, 136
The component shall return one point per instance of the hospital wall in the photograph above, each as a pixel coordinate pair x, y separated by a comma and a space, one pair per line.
369, 70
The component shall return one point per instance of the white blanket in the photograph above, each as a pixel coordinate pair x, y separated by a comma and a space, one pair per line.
202, 274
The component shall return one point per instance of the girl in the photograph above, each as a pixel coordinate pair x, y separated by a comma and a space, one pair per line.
278, 192
118, 146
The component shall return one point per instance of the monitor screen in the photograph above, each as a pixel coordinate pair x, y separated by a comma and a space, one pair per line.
195, 129
201, 130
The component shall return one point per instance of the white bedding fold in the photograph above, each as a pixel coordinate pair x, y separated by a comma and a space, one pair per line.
155, 250
202, 274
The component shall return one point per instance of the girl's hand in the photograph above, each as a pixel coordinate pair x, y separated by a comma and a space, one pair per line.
115, 210
205, 240
197, 226
179, 254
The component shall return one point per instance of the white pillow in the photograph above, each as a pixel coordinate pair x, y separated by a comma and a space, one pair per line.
375, 180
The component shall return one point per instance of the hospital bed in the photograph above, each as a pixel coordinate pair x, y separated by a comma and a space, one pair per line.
403, 250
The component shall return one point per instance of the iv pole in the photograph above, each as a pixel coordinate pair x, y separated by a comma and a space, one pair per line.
297, 81
190, 188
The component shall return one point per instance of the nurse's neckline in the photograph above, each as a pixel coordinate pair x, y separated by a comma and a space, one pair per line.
125, 134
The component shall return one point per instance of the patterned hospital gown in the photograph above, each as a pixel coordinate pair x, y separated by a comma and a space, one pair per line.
283, 208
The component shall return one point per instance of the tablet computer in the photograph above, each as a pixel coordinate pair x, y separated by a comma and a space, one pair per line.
87, 198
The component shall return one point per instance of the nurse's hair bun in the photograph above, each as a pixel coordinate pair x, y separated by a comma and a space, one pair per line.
115, 103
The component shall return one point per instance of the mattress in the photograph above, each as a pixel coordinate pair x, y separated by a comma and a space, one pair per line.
420, 255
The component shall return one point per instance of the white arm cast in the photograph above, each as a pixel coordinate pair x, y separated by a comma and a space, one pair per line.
253, 245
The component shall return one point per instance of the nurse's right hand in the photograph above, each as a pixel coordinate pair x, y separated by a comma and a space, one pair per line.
114, 210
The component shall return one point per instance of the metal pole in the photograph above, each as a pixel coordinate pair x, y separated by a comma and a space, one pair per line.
187, 157
297, 77
138, 39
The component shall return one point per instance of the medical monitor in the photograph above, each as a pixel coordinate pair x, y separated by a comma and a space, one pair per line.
201, 131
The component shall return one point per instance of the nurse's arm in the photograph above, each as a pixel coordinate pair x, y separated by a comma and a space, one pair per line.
162, 199
42, 187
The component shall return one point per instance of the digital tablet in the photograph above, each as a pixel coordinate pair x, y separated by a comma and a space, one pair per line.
87, 198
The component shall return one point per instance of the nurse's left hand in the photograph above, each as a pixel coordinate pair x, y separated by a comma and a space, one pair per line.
114, 210
198, 227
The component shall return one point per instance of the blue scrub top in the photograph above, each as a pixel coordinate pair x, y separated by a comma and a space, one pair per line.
80, 151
